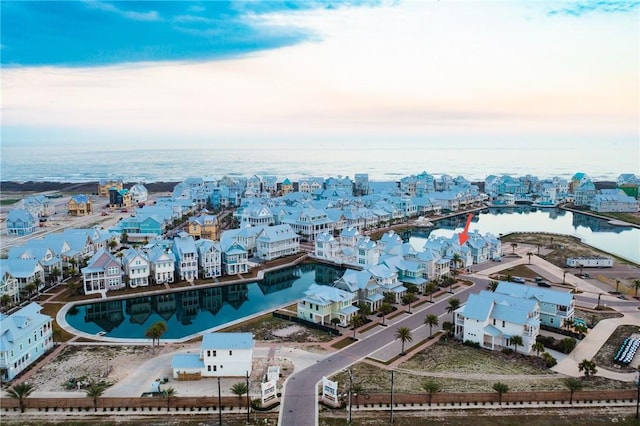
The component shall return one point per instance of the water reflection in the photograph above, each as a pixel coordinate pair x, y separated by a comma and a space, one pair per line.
194, 310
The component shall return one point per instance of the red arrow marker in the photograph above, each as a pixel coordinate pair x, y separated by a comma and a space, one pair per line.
463, 237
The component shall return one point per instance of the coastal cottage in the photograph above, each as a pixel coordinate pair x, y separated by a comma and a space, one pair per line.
139, 194
186, 254
322, 303
21, 222
79, 205
102, 273
8, 283
161, 265
209, 258
25, 336
277, 241
205, 226
556, 307
221, 355
136, 268
105, 185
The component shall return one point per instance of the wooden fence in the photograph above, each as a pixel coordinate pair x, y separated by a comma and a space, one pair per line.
210, 403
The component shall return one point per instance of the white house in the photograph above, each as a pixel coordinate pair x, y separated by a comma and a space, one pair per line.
136, 268
492, 319
277, 241
186, 254
221, 355
323, 303
25, 336
209, 258
161, 265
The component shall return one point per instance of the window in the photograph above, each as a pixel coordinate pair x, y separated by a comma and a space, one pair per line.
208, 353
502, 324
230, 353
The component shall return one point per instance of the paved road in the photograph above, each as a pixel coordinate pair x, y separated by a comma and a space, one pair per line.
299, 406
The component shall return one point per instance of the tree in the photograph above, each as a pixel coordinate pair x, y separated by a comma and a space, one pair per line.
516, 341
538, 347
409, 298
239, 389
529, 254
581, 329
169, 394
509, 277
573, 385
356, 390
389, 298
501, 388
124, 238
514, 246
431, 288
95, 391
589, 368
493, 285
155, 332
356, 321
431, 320
412, 288
21, 391
567, 344
454, 304
385, 309
453, 280
636, 285
405, 335
431, 387
457, 259
335, 322
112, 244
30, 288
448, 327
365, 310
5, 300
55, 275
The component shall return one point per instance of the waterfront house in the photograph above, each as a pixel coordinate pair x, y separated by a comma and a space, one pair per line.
26, 271
235, 258
492, 319
221, 355
51, 263
79, 205
367, 252
139, 194
583, 194
310, 185
614, 200
556, 306
105, 185
21, 222
25, 336
309, 223
363, 286
161, 265
256, 214
136, 268
209, 258
140, 227
326, 247
204, 226
387, 279
628, 182
277, 241
102, 273
245, 236
39, 206
578, 179
186, 254
322, 303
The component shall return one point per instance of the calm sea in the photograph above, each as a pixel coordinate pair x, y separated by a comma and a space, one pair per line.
67, 164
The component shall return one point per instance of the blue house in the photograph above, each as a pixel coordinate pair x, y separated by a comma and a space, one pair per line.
25, 336
21, 222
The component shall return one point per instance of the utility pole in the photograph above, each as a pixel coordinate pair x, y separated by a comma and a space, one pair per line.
219, 404
248, 404
392, 396
350, 387
638, 395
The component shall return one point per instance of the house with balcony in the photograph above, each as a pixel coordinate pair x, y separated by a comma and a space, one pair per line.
102, 273
161, 265
119, 198
235, 258
39, 206
322, 303
326, 247
309, 223
25, 336
492, 319
79, 205
104, 185
221, 355
363, 286
367, 252
8, 283
613, 200
21, 222
387, 279
186, 254
556, 306
204, 226
136, 268
277, 241
50, 262
26, 271
583, 194
139, 194
209, 258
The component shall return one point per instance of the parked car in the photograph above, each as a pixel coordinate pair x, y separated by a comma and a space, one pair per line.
105, 214
518, 280
544, 284
538, 279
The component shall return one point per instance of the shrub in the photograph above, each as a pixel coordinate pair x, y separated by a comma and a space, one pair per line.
507, 351
549, 360
567, 344
471, 343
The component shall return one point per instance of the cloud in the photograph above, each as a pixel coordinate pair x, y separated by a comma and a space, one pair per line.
129, 14
584, 7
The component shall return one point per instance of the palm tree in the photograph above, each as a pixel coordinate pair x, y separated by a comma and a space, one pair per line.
457, 259
431, 288
95, 391
501, 388
239, 389
390, 298
581, 329
636, 285
365, 310
30, 289
356, 321
404, 334
431, 387
454, 304
431, 320
155, 332
409, 298
516, 341
538, 347
112, 244
589, 368
21, 391
529, 254
514, 246
168, 394
573, 385
5, 300
493, 285
448, 327
335, 322
55, 274
385, 309
453, 280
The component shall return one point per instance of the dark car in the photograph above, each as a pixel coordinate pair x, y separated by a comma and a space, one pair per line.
544, 284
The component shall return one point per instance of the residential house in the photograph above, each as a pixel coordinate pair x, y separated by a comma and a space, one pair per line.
326, 247
323, 303
387, 279
583, 194
221, 355
102, 273
492, 319
204, 226
614, 200
363, 286
277, 241
139, 194
286, 186
105, 185
309, 223
361, 184
209, 258
21, 222
51, 263
39, 206
628, 182
8, 283
119, 198
235, 258
26, 271
136, 268
25, 336
186, 253
556, 307
161, 265
79, 205
367, 252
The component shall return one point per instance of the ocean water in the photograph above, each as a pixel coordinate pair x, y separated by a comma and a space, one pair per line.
80, 164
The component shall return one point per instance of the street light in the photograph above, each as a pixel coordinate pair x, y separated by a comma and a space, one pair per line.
564, 274
638, 395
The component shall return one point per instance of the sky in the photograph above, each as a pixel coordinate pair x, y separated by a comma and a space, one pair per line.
315, 73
